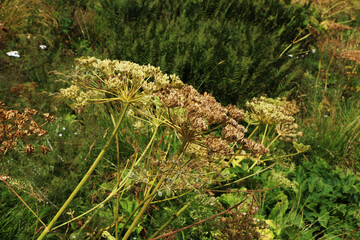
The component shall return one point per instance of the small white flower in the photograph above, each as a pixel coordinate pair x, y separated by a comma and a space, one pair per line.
60, 135
63, 128
13, 54
42, 46
290, 55
75, 133
313, 50
325, 116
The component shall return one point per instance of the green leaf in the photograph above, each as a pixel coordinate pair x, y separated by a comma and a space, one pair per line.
324, 217
128, 204
312, 182
231, 199
278, 212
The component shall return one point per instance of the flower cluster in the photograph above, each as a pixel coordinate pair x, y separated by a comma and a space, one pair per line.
203, 113
334, 27
272, 111
98, 81
16, 125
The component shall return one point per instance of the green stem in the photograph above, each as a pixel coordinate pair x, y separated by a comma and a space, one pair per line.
117, 180
37, 222
142, 211
148, 146
171, 219
273, 141
137, 208
242, 179
87, 175
37, 217
253, 132
100, 205
265, 132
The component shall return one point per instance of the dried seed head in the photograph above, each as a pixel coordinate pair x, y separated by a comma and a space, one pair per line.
29, 148
235, 113
232, 133
288, 132
254, 147
49, 118
218, 145
17, 126
45, 150
352, 55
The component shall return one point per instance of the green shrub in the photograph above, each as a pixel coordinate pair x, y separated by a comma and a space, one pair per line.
229, 48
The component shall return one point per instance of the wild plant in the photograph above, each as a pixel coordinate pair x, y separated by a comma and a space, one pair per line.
190, 134
20, 126
272, 120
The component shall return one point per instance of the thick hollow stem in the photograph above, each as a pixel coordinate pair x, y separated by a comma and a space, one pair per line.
87, 175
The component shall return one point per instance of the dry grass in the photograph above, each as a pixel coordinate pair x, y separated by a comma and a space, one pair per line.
15, 18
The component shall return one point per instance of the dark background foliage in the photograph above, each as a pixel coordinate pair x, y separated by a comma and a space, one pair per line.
229, 48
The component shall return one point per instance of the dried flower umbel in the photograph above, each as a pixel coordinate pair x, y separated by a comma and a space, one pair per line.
16, 126
194, 116
352, 55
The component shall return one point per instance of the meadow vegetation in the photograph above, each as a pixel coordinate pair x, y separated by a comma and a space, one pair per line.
179, 119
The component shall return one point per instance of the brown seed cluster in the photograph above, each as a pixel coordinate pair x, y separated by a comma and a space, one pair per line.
352, 55
203, 113
16, 125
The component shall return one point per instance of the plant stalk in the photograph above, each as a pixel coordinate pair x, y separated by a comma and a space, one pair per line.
171, 219
142, 211
86, 176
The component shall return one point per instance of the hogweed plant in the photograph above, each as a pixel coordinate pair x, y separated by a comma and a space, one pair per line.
276, 118
188, 137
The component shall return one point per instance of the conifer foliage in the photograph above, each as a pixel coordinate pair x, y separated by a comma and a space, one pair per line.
231, 48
